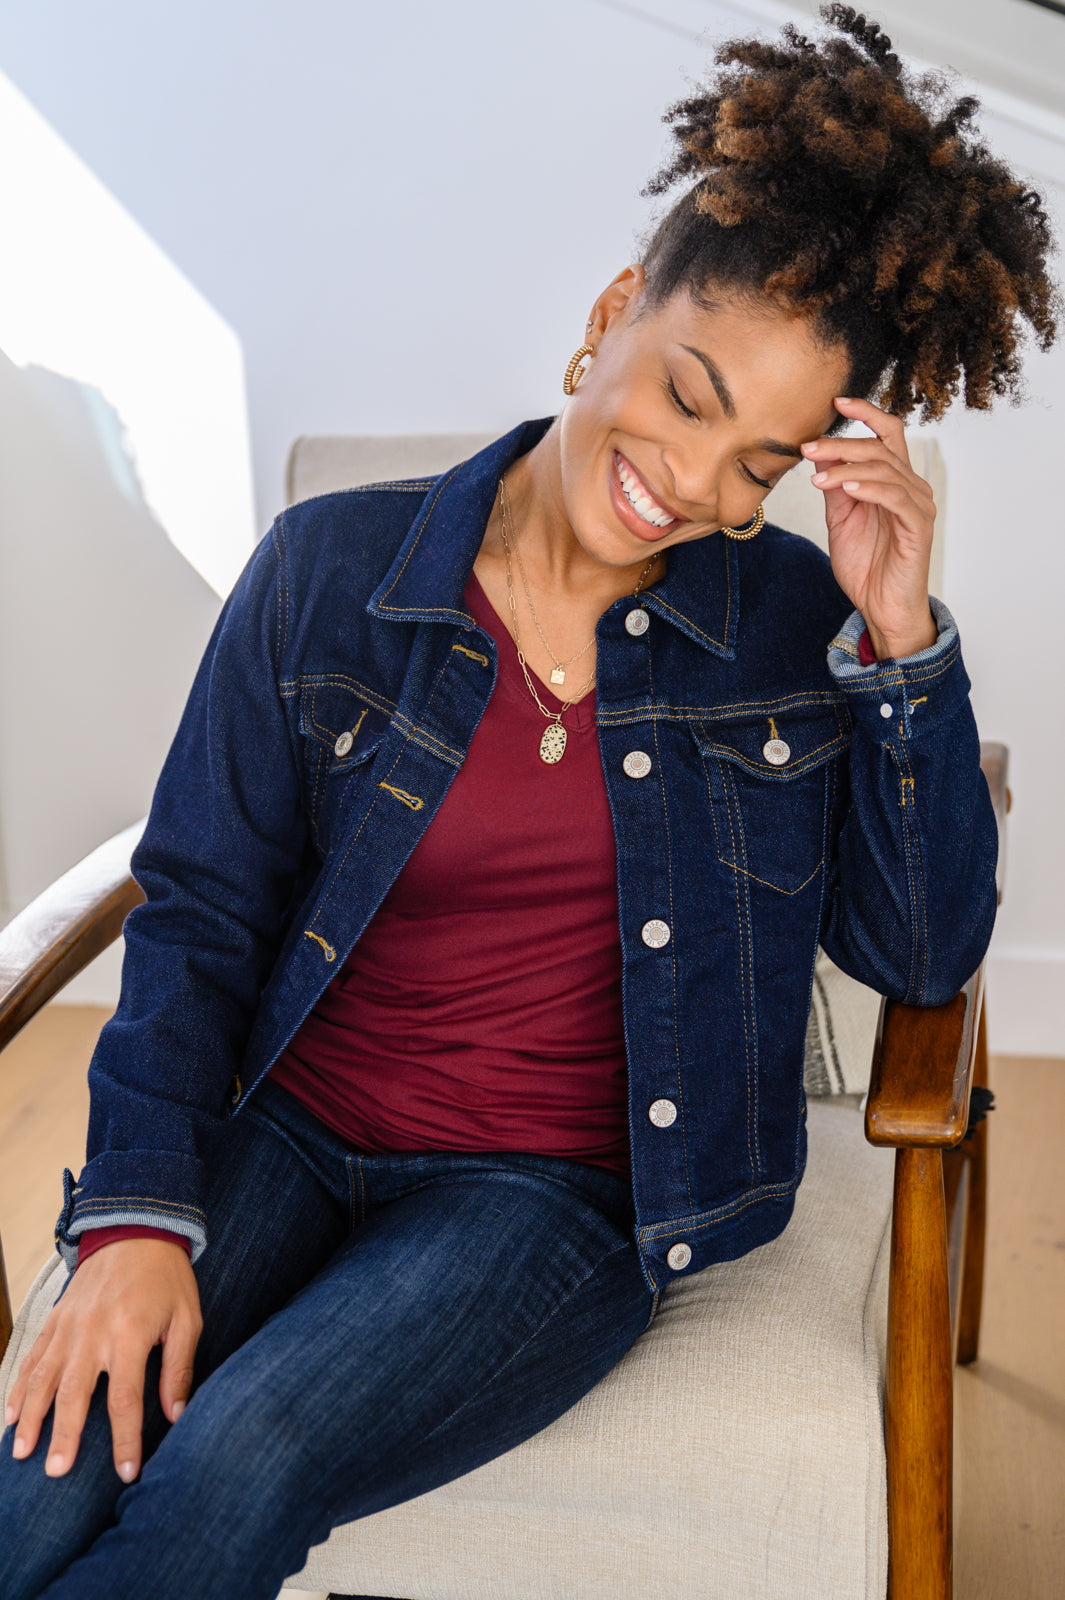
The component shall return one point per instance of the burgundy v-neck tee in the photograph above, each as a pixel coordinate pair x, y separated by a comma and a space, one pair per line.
481, 1009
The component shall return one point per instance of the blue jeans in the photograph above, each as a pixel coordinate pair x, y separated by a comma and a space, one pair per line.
374, 1326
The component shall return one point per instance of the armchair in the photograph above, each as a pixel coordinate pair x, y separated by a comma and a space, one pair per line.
784, 1428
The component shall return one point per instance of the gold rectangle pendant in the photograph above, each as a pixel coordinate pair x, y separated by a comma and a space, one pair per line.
557, 675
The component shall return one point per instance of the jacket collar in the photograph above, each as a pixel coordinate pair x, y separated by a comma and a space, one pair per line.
699, 594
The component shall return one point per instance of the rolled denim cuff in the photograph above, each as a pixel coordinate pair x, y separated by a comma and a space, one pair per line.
903, 698
112, 1193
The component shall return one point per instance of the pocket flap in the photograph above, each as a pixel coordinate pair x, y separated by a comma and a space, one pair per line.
777, 744
336, 717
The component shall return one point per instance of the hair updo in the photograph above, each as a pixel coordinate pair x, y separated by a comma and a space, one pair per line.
832, 182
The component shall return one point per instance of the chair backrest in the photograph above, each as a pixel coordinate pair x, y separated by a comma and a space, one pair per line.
320, 463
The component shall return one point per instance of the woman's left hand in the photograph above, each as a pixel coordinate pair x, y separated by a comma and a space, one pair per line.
880, 516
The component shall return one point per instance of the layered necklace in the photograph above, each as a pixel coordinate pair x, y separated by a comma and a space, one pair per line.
553, 742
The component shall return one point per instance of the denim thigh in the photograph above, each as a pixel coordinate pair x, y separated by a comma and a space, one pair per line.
276, 1212
476, 1299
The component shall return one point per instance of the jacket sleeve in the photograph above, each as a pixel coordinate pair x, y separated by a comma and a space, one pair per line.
910, 889
218, 860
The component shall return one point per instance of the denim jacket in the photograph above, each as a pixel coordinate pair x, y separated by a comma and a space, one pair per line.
794, 797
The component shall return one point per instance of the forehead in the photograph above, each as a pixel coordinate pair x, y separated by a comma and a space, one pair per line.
780, 374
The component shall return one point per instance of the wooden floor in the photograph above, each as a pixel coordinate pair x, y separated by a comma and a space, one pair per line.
1010, 1407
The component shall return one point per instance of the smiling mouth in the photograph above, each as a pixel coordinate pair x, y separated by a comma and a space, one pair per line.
640, 498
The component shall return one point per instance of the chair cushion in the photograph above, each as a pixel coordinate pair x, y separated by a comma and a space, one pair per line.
840, 1032
736, 1453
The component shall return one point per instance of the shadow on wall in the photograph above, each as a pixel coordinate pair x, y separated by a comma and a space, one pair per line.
102, 624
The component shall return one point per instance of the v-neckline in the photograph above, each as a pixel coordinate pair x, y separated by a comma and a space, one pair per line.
579, 715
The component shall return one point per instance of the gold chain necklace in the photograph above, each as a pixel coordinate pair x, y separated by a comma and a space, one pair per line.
558, 671
553, 741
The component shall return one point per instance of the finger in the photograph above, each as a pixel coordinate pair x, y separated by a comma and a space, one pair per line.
17, 1393
884, 424
41, 1385
125, 1407
841, 475
175, 1378
826, 451
71, 1408
864, 452
892, 496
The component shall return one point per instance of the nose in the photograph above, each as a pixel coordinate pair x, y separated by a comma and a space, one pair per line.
695, 478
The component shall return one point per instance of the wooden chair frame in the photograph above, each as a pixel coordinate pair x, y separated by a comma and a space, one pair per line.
925, 1063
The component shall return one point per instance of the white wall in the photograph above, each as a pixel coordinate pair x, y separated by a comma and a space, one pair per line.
125, 507
405, 211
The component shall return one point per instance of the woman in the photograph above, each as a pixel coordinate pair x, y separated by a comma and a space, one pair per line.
463, 1016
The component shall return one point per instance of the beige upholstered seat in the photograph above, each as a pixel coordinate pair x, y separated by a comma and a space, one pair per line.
736, 1453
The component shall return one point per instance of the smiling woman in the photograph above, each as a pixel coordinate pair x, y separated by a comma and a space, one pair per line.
461, 1018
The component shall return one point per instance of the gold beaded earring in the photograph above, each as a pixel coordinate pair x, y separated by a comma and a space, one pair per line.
575, 372
757, 523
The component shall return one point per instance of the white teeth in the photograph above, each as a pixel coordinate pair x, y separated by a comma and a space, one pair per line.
645, 508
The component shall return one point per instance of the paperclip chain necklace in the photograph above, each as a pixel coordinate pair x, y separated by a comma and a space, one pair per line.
553, 742
558, 671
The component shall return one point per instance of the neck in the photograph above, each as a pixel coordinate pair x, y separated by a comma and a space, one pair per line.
550, 547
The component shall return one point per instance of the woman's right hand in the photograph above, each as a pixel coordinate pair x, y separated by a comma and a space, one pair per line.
125, 1298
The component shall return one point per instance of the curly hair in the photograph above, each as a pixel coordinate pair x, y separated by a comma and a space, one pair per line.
832, 182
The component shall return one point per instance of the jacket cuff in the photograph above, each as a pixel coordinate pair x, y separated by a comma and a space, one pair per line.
896, 700
94, 1239
122, 1188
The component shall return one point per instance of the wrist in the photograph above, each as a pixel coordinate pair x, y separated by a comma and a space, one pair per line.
921, 636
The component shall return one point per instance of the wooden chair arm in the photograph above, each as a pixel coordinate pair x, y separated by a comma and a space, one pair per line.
924, 1056
64, 929
922, 1070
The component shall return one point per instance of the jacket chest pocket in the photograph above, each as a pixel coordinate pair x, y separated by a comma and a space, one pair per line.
340, 735
770, 779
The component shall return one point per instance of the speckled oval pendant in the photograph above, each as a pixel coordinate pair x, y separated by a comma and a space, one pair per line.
553, 743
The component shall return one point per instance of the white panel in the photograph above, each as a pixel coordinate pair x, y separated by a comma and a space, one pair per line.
86, 294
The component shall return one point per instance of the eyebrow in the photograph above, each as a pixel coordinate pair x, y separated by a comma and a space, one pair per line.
728, 405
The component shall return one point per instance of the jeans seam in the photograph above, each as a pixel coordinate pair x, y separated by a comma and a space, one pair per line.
514, 1354
299, 1150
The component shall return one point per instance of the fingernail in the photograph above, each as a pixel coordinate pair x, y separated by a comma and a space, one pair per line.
127, 1471
808, 449
851, 485
19, 1449
819, 477
9, 1416
178, 1408
54, 1466
843, 400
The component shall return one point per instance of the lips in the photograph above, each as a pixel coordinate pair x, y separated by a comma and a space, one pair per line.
641, 510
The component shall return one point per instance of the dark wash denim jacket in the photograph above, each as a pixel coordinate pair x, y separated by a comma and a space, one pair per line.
270, 844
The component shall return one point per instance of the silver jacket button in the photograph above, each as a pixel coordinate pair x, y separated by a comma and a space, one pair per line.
637, 622
679, 1256
637, 764
344, 744
776, 752
663, 1113
655, 933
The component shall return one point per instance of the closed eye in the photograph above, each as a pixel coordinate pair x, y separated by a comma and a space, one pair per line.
671, 390
686, 411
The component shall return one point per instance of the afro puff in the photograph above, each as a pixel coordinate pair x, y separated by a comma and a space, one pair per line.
832, 182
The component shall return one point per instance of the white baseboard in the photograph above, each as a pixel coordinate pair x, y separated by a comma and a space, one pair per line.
1026, 1001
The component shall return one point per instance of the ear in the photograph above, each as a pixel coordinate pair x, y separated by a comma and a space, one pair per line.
618, 299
